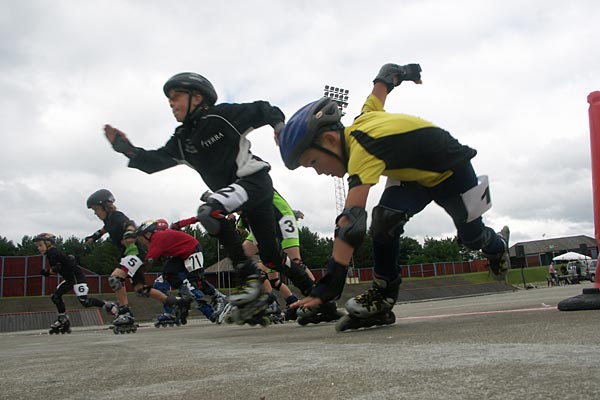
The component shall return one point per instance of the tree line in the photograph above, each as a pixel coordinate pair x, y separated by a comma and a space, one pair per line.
101, 257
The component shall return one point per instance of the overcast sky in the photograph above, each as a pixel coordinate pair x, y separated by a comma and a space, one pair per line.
508, 78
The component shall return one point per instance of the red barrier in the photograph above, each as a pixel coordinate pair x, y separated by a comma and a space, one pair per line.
594, 115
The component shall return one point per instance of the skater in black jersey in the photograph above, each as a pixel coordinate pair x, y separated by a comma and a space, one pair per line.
212, 139
73, 279
423, 163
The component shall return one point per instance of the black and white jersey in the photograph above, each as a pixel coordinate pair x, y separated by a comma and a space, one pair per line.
214, 142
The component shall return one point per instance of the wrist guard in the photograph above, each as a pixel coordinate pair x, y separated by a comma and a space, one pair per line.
331, 286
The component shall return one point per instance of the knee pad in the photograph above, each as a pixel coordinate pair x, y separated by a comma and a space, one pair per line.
212, 217
275, 283
115, 282
144, 291
387, 224
354, 233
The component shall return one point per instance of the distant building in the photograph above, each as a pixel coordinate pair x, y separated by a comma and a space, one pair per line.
541, 252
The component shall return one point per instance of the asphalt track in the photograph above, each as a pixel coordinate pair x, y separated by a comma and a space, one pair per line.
501, 346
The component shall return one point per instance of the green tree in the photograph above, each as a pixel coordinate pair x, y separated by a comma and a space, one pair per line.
410, 251
315, 250
7, 247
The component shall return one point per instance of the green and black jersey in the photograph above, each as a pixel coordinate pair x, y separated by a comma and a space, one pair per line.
401, 147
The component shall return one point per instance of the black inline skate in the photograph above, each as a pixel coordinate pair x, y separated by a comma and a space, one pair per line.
182, 310
166, 319
61, 325
290, 314
252, 313
124, 323
373, 307
326, 312
274, 313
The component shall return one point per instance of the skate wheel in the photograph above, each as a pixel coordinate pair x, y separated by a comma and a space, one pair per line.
157, 325
343, 323
69, 331
115, 331
264, 322
302, 321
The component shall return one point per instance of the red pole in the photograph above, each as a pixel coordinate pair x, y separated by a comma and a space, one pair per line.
594, 112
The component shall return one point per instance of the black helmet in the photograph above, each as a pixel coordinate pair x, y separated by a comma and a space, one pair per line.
99, 197
304, 127
45, 237
191, 81
149, 226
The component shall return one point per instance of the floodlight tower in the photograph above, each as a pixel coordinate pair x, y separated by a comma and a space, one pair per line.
340, 97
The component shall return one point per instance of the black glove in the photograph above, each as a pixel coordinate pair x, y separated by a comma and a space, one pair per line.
44, 272
409, 72
120, 142
94, 236
331, 286
175, 226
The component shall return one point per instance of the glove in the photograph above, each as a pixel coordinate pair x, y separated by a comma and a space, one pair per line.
206, 196
94, 236
119, 141
331, 286
44, 272
387, 73
175, 226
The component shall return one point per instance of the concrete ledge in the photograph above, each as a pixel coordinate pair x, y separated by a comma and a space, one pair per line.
43, 319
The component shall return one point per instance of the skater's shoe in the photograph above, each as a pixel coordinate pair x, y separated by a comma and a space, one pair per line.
326, 312
165, 319
124, 323
61, 325
253, 313
226, 312
112, 308
219, 301
247, 292
499, 264
290, 314
274, 313
379, 299
589, 299
182, 309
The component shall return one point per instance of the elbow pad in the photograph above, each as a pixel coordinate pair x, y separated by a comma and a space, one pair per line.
354, 233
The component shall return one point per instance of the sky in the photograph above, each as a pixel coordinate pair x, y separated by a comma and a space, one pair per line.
508, 78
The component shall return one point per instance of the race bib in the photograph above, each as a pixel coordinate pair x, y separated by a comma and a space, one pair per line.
477, 200
232, 197
287, 226
81, 289
131, 264
194, 262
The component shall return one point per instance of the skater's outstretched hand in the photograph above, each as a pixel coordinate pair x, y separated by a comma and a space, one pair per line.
307, 302
329, 287
119, 141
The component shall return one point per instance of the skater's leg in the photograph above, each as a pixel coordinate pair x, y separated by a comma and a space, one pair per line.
161, 284
60, 291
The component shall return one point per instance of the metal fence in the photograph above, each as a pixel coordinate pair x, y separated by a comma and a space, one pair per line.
20, 275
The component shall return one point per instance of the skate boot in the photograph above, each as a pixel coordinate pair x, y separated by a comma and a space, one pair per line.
166, 319
373, 307
61, 325
112, 308
589, 299
274, 313
219, 304
182, 310
326, 312
254, 313
499, 264
290, 314
124, 323
226, 313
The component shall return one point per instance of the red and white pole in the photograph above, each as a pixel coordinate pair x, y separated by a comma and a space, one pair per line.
594, 101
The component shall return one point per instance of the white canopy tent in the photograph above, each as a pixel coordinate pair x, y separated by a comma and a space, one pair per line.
571, 256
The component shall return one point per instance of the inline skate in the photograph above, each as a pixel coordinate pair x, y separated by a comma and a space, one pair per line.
373, 307
274, 313
61, 325
290, 314
111, 308
499, 264
182, 310
326, 312
166, 319
124, 323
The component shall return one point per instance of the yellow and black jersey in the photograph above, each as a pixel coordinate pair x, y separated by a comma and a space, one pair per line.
401, 147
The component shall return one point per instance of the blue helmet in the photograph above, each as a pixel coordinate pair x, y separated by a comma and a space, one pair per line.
304, 127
